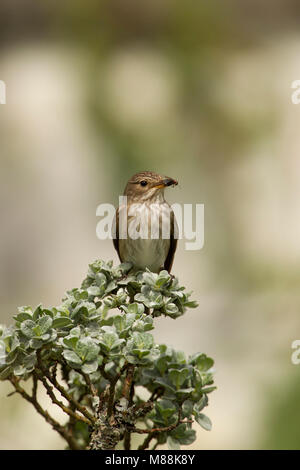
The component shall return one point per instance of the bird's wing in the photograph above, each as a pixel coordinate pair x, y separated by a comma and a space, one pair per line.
173, 242
116, 234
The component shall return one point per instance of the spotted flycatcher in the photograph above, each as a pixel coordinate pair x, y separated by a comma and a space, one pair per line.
145, 225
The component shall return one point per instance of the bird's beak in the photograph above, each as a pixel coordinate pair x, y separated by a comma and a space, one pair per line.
166, 182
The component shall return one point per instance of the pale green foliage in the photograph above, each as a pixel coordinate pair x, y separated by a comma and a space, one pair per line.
103, 326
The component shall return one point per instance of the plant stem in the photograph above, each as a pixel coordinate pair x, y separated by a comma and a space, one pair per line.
56, 426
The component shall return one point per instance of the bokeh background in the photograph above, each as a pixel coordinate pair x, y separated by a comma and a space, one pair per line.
199, 91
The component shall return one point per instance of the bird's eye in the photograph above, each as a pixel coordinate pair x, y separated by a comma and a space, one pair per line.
144, 183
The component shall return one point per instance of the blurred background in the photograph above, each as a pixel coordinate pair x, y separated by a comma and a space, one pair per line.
199, 91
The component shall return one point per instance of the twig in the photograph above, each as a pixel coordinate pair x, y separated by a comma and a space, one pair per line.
56, 426
127, 440
34, 386
66, 409
156, 393
105, 375
155, 445
128, 393
164, 429
89, 383
147, 441
113, 383
64, 393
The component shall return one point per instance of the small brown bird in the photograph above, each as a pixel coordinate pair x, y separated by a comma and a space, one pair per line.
145, 225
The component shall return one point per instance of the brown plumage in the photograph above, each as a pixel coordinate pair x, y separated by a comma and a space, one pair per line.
148, 211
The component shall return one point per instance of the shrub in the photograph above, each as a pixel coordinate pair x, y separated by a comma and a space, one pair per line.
99, 363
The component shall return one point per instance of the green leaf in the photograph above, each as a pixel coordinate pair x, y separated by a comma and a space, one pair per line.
166, 408
19, 370
87, 349
149, 278
11, 357
5, 373
120, 322
23, 316
35, 343
94, 290
72, 358
204, 421
163, 278
171, 308
45, 323
191, 304
110, 341
50, 313
125, 267
90, 367
84, 308
70, 341
173, 444
25, 309
165, 383
27, 328
183, 434
110, 287
203, 362
140, 353
135, 308
51, 335
100, 279
187, 408
75, 331
144, 323
184, 392
2, 352
208, 389
30, 361
38, 311
178, 377
61, 322
180, 357
143, 340
162, 364
202, 403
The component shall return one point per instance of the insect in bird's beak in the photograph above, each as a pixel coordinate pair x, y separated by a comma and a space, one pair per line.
170, 182
166, 182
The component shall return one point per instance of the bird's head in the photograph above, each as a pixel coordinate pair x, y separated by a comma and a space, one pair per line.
147, 186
